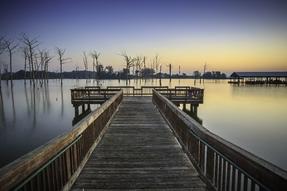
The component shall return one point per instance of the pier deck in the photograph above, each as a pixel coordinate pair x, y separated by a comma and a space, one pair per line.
139, 150
140, 142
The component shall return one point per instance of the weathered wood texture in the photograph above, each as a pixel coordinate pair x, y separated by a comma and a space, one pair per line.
223, 165
138, 151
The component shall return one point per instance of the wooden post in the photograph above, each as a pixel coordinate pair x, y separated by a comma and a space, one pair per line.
83, 108
76, 111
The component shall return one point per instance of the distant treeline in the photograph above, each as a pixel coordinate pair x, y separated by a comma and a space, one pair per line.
148, 73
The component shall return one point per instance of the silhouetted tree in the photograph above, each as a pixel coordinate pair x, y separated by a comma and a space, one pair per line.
109, 70
10, 46
85, 62
44, 61
129, 61
156, 63
62, 60
31, 44
25, 51
95, 55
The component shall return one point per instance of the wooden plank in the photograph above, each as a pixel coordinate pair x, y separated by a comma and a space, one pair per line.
138, 151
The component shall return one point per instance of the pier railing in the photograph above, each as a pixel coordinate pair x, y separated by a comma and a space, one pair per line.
97, 94
55, 165
222, 165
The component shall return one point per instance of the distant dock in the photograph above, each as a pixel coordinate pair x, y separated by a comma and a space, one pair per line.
257, 78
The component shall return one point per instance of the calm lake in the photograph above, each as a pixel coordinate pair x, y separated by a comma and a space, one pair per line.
252, 117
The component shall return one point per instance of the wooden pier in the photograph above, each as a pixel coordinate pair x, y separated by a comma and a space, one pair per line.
140, 142
139, 150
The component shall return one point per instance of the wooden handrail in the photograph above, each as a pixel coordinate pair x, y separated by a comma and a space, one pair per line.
53, 165
222, 164
189, 93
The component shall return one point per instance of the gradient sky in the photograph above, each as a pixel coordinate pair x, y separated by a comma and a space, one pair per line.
246, 35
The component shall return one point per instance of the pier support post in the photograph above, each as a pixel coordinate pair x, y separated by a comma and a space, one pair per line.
76, 111
184, 106
195, 109
83, 108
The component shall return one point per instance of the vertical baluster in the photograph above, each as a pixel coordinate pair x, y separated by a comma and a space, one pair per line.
72, 160
37, 179
228, 176
52, 176
64, 168
44, 179
209, 164
224, 175
60, 171
216, 171
57, 181
252, 185
75, 156
219, 173
201, 156
238, 180
245, 182
68, 163
47, 176
233, 178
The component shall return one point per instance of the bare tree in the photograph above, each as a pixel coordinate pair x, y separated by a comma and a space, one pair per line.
138, 65
47, 59
156, 62
62, 60
2, 45
10, 46
85, 62
31, 44
129, 61
25, 51
95, 55
44, 61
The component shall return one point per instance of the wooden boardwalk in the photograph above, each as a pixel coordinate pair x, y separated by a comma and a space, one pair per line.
138, 151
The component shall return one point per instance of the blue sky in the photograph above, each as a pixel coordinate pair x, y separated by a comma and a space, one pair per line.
228, 35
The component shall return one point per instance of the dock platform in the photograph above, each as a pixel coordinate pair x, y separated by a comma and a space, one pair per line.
139, 150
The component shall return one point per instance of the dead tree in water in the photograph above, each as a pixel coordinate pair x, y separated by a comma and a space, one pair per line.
62, 60
129, 63
47, 59
10, 46
85, 62
138, 65
95, 55
44, 61
31, 45
25, 51
156, 62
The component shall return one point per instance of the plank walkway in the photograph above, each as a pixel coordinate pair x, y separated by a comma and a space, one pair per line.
138, 151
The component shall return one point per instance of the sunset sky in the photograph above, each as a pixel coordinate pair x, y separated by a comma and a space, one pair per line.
246, 35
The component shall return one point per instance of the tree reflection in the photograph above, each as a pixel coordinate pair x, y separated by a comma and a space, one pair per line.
2, 111
13, 103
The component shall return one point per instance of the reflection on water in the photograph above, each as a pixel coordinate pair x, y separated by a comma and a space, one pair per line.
253, 117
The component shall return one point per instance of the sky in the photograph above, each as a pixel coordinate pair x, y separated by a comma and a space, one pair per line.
227, 35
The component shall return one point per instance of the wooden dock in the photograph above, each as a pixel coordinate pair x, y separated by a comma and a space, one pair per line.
138, 150
139, 142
